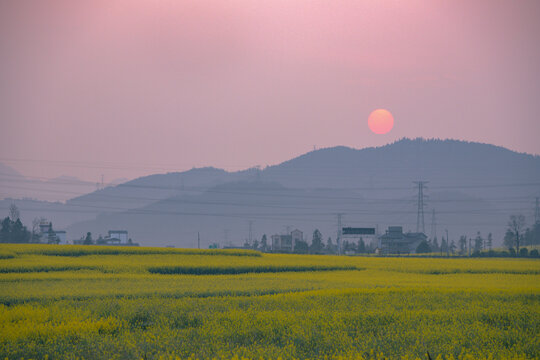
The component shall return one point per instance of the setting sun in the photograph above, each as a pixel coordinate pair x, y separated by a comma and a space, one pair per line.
380, 121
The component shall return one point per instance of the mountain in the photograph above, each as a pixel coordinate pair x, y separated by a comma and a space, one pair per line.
445, 163
472, 187
148, 189
14, 185
221, 214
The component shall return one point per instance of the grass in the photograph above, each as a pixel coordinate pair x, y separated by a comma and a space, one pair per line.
121, 306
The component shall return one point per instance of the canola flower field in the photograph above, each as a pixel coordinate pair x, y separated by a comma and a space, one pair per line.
77, 302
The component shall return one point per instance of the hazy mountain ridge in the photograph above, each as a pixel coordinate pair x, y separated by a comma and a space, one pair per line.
468, 182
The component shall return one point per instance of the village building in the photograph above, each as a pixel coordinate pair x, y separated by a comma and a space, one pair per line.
285, 243
49, 235
395, 241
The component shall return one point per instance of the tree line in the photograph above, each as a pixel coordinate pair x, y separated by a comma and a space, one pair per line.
515, 242
12, 230
317, 246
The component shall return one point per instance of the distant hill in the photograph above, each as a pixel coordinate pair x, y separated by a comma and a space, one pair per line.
445, 163
473, 187
148, 189
17, 186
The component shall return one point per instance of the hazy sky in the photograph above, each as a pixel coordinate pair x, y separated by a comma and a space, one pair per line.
126, 88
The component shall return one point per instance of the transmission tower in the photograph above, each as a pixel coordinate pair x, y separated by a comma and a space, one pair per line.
537, 212
433, 226
420, 226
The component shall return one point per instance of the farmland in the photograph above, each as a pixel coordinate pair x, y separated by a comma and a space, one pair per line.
148, 303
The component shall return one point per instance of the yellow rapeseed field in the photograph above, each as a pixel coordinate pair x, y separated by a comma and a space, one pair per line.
77, 302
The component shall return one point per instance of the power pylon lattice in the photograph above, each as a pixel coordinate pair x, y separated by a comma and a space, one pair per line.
420, 225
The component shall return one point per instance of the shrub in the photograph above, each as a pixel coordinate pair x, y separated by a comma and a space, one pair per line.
423, 248
211, 270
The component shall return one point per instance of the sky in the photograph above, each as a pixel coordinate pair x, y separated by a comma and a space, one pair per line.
125, 88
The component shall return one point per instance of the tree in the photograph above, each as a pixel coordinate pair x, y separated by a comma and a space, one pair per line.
526, 238
264, 243
435, 245
255, 244
478, 242
88, 239
13, 231
349, 246
443, 245
509, 239
14, 213
516, 226
452, 247
19, 232
423, 248
330, 247
51, 236
317, 245
489, 241
301, 247
36, 233
5, 232
361, 248
462, 244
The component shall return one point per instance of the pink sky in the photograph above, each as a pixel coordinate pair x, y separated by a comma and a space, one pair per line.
131, 87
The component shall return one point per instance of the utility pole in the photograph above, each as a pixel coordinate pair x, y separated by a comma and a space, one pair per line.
198, 240
470, 240
447, 244
339, 230
420, 226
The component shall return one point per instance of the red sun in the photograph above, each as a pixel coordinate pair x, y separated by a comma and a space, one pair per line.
380, 121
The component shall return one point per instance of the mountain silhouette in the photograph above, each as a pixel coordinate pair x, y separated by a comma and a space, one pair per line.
472, 187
